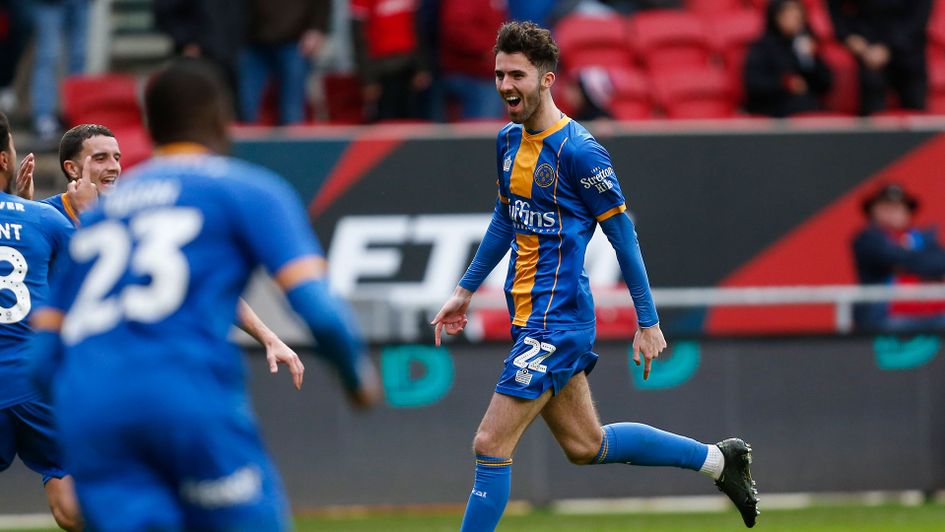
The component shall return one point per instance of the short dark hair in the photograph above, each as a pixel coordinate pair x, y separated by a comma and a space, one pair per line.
186, 101
531, 40
5, 132
71, 144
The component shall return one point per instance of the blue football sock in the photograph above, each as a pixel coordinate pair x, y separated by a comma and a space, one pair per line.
489, 495
638, 444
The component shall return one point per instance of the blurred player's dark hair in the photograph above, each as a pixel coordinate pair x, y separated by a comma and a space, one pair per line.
5, 132
71, 144
187, 101
530, 39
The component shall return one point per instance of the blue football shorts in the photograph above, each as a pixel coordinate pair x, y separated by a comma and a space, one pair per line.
170, 458
28, 430
541, 359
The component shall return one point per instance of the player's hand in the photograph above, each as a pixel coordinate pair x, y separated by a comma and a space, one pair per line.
279, 353
650, 342
453, 314
24, 177
82, 192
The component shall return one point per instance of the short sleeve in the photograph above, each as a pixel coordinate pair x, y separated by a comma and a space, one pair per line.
596, 180
272, 222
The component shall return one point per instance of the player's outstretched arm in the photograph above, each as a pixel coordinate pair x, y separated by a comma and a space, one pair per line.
277, 352
648, 339
24, 177
332, 323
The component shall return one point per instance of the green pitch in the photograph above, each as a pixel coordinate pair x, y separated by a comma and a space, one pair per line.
827, 519
927, 518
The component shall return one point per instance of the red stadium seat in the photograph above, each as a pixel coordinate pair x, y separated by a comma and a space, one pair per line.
844, 95
713, 6
632, 95
936, 27
135, 144
343, 99
695, 93
110, 100
667, 39
936, 98
731, 33
593, 41
818, 18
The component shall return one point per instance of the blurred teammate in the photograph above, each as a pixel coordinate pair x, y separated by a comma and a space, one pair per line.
90, 159
149, 392
556, 183
33, 237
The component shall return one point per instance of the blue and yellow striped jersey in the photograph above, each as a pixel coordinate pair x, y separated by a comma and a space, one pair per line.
557, 185
61, 203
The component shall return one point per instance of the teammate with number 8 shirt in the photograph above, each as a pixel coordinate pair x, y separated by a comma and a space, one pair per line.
33, 240
149, 391
556, 184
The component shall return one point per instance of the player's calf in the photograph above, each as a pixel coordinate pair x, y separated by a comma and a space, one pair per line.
60, 494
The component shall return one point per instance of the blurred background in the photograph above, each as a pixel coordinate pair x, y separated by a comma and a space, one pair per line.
783, 161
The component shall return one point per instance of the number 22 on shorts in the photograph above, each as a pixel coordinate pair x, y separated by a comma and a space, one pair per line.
533, 358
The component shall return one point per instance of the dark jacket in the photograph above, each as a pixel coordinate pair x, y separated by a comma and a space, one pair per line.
899, 24
217, 26
771, 61
284, 21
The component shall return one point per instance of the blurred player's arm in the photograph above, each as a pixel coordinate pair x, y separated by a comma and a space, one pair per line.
333, 325
45, 346
495, 244
277, 352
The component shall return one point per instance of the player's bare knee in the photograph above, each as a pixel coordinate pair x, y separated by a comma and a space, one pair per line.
486, 444
581, 453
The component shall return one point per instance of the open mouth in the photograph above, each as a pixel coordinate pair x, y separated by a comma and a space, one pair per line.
514, 102
109, 181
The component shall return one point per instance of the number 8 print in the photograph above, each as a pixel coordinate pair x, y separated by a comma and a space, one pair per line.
14, 283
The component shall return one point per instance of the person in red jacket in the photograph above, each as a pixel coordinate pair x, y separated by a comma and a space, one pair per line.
392, 61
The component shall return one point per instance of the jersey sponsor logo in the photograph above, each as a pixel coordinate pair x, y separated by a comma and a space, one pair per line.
600, 180
544, 175
507, 164
241, 487
525, 217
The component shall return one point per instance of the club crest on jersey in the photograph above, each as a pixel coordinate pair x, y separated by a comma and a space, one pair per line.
507, 163
544, 175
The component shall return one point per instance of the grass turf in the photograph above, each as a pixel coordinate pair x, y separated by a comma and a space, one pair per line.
926, 518
929, 518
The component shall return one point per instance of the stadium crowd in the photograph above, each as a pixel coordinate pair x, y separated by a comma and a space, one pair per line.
425, 60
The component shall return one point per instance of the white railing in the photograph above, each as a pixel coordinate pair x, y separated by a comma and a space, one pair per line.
842, 297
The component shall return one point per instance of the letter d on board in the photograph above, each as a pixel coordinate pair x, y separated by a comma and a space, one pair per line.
406, 389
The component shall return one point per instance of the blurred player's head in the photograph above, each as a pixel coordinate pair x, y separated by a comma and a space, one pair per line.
97, 142
525, 60
187, 101
7, 153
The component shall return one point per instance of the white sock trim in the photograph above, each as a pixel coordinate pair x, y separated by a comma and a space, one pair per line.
714, 463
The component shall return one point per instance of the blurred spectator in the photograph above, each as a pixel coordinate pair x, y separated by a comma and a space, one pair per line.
467, 64
14, 35
888, 38
283, 38
783, 73
590, 94
211, 29
392, 62
54, 20
890, 250
537, 11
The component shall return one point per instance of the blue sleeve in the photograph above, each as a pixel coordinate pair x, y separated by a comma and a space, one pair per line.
495, 244
596, 181
45, 356
335, 329
623, 237
272, 221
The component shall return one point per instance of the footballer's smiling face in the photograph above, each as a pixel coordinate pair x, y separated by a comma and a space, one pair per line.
520, 85
105, 161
